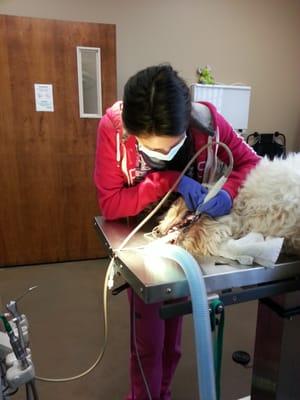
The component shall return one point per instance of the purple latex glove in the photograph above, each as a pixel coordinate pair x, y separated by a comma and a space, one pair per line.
219, 205
192, 192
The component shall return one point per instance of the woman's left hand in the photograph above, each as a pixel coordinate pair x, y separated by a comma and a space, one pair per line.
219, 205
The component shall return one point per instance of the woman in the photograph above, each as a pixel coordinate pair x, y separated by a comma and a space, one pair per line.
143, 144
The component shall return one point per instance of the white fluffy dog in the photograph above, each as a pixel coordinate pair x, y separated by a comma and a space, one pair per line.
267, 203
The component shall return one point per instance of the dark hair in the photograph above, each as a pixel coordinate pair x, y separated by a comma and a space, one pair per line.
156, 100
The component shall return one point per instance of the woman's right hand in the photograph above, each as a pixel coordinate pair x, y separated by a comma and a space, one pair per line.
192, 192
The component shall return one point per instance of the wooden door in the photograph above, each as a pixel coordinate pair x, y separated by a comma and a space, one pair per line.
47, 194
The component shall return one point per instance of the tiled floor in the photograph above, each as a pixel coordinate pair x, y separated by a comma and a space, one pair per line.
66, 328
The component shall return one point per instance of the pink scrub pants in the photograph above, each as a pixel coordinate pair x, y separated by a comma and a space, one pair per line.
158, 344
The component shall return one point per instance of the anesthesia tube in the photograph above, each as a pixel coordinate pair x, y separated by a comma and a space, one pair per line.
204, 350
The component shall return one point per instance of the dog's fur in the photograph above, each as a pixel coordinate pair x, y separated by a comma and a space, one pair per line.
267, 203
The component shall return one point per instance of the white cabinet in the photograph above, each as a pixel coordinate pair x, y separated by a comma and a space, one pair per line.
231, 101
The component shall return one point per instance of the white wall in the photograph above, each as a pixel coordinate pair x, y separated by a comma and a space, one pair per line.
252, 42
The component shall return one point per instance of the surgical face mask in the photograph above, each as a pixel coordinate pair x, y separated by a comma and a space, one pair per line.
160, 156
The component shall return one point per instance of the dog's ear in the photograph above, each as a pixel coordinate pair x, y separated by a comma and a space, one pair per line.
167, 204
161, 212
173, 216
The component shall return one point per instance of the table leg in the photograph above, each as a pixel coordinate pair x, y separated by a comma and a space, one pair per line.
276, 369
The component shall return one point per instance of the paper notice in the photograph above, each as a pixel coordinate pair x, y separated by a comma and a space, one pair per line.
43, 97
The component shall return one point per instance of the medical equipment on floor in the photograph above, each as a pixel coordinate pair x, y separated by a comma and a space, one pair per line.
15, 356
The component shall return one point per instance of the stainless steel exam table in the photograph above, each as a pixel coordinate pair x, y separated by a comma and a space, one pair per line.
276, 364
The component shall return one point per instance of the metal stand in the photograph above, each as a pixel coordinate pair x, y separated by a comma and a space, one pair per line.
277, 351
